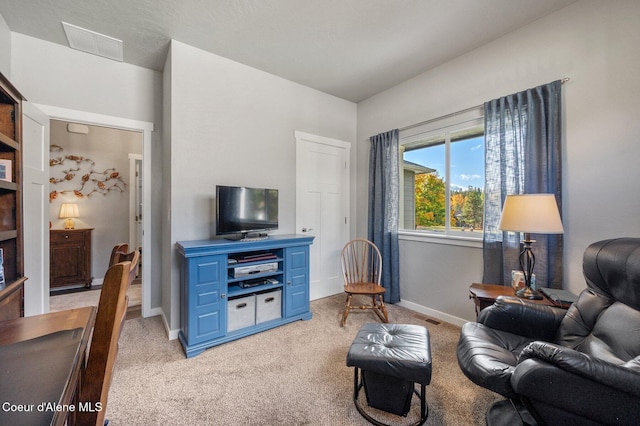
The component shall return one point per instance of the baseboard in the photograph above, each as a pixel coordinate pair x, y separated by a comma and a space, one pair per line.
433, 313
171, 334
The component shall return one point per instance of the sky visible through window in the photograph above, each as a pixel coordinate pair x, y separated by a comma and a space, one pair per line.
467, 162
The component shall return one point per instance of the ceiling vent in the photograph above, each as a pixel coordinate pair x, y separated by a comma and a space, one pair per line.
92, 42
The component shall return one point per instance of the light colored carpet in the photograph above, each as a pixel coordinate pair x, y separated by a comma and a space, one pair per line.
90, 298
292, 375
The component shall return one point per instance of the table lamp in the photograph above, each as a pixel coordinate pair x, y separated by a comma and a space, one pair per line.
67, 212
530, 213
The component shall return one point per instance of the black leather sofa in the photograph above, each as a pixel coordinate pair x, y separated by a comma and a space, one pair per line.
580, 366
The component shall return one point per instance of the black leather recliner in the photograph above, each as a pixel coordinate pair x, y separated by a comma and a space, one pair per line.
580, 366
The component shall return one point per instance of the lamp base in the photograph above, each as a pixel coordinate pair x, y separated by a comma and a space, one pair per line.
69, 224
528, 293
527, 261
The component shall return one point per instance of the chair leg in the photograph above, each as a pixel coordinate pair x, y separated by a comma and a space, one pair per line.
377, 305
359, 384
347, 307
383, 308
380, 309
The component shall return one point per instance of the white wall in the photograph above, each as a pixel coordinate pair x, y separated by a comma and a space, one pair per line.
233, 124
167, 243
53, 75
592, 42
5, 49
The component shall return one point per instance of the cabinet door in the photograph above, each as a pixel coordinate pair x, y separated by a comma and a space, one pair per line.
296, 291
70, 262
67, 258
204, 289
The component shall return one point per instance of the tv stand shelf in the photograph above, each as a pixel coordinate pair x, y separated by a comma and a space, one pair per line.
237, 291
216, 309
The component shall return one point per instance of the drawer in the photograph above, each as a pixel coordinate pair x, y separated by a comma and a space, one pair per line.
67, 236
241, 312
268, 306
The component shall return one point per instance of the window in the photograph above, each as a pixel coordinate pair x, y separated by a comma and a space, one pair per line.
442, 177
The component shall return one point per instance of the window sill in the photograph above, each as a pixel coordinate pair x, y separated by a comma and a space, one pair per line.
440, 239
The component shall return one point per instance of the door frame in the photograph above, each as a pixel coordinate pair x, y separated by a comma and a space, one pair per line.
144, 127
132, 197
35, 181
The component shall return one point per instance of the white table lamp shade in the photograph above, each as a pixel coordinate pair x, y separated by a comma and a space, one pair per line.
531, 213
68, 211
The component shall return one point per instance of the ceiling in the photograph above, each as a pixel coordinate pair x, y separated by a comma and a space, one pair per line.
352, 49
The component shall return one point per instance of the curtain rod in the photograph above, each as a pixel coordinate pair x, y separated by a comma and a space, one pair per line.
453, 114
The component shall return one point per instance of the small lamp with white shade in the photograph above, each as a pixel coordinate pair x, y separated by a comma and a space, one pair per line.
68, 211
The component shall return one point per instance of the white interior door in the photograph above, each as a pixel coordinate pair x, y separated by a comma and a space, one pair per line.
35, 175
322, 207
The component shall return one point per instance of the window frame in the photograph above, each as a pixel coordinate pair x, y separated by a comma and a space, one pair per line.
466, 119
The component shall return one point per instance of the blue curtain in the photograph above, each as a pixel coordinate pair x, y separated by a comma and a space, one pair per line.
384, 206
522, 156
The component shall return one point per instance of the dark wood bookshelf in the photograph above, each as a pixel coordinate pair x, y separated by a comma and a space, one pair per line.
11, 232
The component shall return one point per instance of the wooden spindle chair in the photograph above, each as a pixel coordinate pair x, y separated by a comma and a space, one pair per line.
362, 272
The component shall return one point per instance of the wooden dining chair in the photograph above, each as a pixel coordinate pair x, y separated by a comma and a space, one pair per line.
362, 272
118, 249
134, 258
112, 308
120, 253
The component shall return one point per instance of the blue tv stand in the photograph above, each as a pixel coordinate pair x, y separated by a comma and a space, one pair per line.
213, 276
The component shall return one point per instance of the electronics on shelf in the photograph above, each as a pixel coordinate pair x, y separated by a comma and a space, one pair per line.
262, 268
254, 257
257, 282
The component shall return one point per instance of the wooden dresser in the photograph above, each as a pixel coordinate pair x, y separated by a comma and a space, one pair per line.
70, 258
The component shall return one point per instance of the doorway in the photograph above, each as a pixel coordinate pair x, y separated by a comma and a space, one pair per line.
145, 129
90, 169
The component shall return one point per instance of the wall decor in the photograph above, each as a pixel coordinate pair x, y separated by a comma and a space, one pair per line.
83, 180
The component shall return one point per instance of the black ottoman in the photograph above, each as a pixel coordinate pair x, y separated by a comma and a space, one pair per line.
392, 358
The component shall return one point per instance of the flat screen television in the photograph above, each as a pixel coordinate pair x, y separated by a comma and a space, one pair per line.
241, 210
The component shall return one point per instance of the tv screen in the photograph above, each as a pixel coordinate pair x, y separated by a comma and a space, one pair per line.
242, 210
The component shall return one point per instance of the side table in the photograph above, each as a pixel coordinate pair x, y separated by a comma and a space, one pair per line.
484, 295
